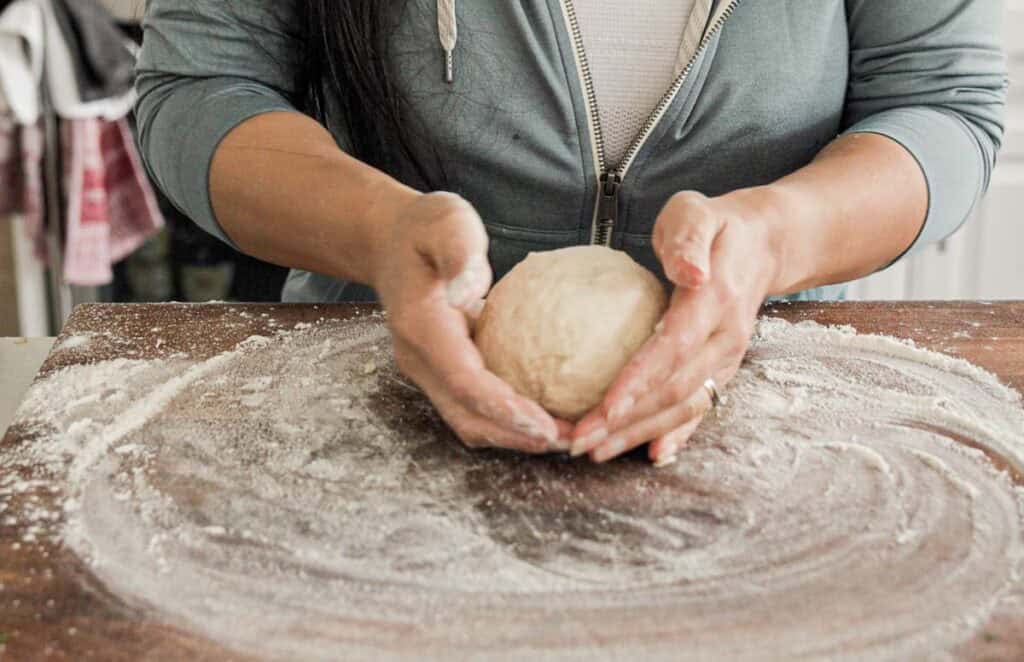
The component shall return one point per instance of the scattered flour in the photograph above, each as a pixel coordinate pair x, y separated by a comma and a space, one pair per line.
74, 342
295, 496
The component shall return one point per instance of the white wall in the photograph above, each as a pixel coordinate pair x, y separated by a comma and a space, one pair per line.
985, 260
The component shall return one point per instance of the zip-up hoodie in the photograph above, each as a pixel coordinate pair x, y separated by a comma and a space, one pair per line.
762, 86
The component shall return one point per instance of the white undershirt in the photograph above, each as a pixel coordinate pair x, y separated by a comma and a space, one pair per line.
632, 48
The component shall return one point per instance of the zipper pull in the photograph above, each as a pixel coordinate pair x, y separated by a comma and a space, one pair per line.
607, 209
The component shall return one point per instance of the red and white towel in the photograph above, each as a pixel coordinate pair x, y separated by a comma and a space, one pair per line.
111, 208
21, 178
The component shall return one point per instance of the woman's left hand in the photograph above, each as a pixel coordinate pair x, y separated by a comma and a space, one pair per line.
719, 253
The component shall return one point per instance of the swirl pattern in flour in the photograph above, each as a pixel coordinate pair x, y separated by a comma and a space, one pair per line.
296, 497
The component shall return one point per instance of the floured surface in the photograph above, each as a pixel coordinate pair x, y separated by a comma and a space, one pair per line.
295, 497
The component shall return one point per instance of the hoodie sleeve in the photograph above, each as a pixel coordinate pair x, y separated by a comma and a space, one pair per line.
205, 67
931, 75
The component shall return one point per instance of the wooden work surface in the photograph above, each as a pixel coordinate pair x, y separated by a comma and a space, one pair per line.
50, 605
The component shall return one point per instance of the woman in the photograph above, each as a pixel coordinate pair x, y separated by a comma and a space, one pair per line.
790, 146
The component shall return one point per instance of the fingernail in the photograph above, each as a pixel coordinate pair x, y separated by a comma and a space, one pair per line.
691, 271
666, 459
583, 445
621, 409
611, 448
534, 428
549, 437
560, 446
466, 288
475, 309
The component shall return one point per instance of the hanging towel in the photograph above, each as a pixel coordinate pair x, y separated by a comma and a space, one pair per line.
61, 80
21, 59
21, 135
21, 177
104, 66
112, 209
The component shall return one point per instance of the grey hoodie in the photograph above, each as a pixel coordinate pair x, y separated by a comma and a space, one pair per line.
763, 86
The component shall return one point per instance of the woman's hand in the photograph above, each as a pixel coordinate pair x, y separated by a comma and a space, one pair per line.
431, 277
718, 252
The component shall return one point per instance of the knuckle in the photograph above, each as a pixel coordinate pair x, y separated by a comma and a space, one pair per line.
658, 238
458, 214
687, 209
467, 432
678, 390
688, 199
442, 201
443, 216
729, 292
463, 386
735, 344
403, 356
682, 338
694, 405
699, 231
680, 363
402, 323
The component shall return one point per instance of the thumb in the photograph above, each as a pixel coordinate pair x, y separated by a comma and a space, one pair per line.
454, 242
684, 237
467, 290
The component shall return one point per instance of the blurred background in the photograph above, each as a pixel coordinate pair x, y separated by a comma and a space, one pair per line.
119, 240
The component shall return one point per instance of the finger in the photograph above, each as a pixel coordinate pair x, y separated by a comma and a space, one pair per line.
687, 326
487, 395
652, 428
439, 337
472, 428
665, 449
473, 313
478, 432
591, 430
564, 441
684, 235
468, 287
681, 385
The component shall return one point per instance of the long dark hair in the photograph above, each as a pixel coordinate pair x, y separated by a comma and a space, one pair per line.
346, 66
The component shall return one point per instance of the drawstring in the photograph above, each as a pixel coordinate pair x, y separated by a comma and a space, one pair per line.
448, 32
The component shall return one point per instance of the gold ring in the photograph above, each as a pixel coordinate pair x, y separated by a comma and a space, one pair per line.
716, 397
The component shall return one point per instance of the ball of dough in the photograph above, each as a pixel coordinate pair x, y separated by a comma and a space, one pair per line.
561, 325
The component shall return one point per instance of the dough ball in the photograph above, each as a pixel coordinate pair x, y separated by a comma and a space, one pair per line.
561, 325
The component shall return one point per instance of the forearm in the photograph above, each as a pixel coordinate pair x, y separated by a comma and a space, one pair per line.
284, 192
857, 207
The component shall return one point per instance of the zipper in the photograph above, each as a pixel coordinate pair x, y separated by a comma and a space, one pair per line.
606, 211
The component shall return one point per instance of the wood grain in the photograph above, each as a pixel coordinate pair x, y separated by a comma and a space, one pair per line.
51, 606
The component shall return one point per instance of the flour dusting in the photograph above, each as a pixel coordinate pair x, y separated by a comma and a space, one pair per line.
295, 496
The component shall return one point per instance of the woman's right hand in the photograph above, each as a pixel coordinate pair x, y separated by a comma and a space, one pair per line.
431, 276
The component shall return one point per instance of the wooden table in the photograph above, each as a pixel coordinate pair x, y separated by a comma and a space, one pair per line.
51, 605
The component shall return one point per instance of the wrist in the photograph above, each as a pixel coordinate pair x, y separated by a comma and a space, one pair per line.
386, 208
